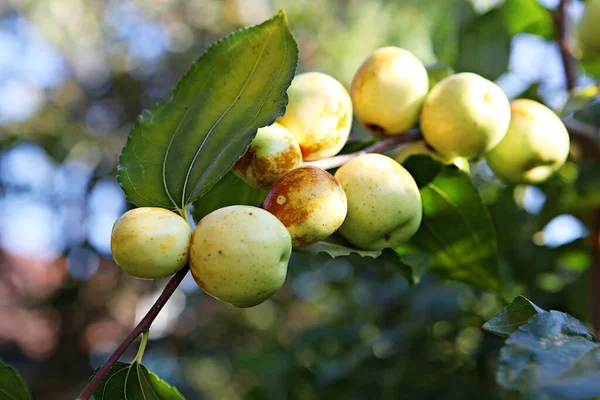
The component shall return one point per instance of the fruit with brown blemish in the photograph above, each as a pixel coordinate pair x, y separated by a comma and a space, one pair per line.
388, 91
240, 254
465, 115
150, 242
319, 114
536, 145
384, 203
310, 202
421, 147
273, 152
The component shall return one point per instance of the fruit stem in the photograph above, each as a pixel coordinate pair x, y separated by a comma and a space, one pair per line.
142, 348
142, 327
560, 24
382, 146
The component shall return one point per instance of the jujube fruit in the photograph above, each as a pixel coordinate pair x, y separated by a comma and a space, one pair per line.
240, 254
150, 242
420, 147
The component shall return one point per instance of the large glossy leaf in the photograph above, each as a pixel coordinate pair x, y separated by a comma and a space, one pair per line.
182, 146
528, 16
457, 230
386, 258
229, 191
133, 381
512, 317
11, 385
553, 354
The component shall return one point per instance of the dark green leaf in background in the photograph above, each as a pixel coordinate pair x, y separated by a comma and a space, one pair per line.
528, 16
229, 191
457, 231
181, 147
553, 354
512, 317
133, 381
11, 385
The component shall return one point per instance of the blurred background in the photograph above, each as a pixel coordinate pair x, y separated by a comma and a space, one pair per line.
74, 74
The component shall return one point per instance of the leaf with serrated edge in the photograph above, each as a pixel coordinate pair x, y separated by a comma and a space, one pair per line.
181, 147
11, 385
553, 354
134, 381
457, 231
512, 317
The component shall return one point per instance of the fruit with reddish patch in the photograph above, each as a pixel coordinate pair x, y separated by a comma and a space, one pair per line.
273, 152
310, 203
150, 242
384, 203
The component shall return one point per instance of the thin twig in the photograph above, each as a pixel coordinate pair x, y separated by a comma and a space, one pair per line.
379, 147
137, 331
560, 23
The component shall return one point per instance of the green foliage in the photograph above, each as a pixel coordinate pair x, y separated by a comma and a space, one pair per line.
457, 231
512, 317
181, 147
129, 381
11, 385
229, 191
528, 16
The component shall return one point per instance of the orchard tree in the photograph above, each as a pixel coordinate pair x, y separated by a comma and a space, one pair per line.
242, 121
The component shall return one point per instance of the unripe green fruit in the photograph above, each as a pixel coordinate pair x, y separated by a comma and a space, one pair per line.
588, 32
535, 146
150, 242
310, 203
388, 91
273, 152
239, 255
384, 202
319, 114
465, 115
420, 147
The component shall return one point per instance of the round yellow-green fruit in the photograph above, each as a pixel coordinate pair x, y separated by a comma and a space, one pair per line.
240, 254
384, 203
535, 146
588, 33
310, 202
465, 115
150, 242
318, 114
421, 147
388, 91
273, 152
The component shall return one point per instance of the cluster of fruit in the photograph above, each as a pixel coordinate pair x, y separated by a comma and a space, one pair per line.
239, 254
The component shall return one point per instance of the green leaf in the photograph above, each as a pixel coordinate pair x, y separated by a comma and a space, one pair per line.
512, 317
528, 16
133, 381
437, 72
457, 231
579, 99
182, 146
386, 258
229, 191
11, 385
553, 354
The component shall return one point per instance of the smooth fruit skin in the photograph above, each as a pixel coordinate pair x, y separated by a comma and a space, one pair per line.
273, 152
388, 91
239, 255
465, 115
535, 146
384, 203
319, 114
588, 32
310, 202
150, 242
420, 147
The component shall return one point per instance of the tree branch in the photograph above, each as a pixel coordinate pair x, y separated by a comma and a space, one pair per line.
144, 325
380, 147
560, 23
